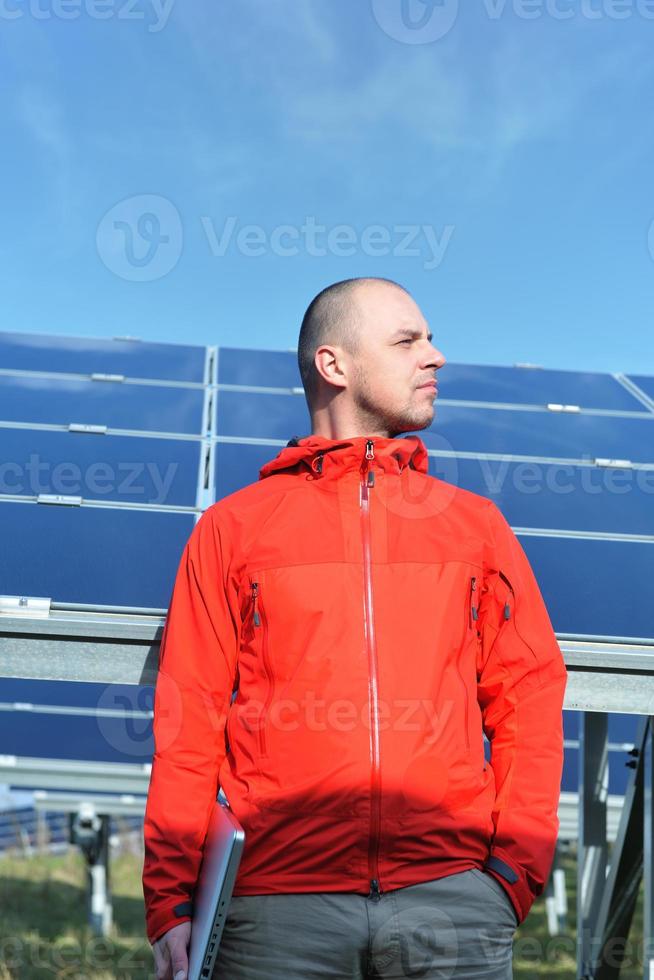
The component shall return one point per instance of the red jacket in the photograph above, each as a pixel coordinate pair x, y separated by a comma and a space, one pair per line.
373, 621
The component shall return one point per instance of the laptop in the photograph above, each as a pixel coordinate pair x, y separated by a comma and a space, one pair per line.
222, 851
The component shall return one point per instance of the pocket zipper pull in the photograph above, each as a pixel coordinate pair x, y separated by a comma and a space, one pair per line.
255, 593
507, 607
474, 612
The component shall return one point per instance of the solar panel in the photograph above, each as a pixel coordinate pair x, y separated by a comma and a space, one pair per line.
261, 368
462, 429
90, 555
595, 587
76, 736
557, 495
101, 479
88, 355
534, 386
237, 464
528, 459
99, 467
262, 416
459, 382
645, 384
554, 435
54, 401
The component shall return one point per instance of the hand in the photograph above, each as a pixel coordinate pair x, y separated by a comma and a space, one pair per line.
171, 953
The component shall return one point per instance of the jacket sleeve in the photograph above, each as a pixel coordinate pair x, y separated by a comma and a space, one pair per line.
521, 679
197, 668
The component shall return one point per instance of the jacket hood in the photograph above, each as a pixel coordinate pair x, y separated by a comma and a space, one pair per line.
328, 458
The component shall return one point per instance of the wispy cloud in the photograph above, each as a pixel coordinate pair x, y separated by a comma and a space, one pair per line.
41, 116
456, 105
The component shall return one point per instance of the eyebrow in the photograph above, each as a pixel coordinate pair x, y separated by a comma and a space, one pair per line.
407, 332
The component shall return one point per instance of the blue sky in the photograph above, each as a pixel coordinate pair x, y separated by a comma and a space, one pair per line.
495, 158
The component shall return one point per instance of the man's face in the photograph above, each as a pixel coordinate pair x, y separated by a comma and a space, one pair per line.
395, 359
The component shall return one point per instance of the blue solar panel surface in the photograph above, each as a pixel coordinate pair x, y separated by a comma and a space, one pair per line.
552, 434
461, 428
524, 477
261, 368
646, 384
558, 496
534, 386
97, 556
237, 464
261, 415
89, 355
117, 405
461, 382
595, 587
99, 467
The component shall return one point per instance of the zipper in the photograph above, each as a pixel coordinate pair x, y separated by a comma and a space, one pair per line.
255, 598
471, 616
507, 614
507, 607
474, 610
259, 619
367, 482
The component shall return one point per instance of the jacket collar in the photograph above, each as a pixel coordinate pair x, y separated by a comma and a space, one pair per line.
329, 458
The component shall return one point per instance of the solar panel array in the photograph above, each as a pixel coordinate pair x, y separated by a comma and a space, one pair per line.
111, 449
103, 462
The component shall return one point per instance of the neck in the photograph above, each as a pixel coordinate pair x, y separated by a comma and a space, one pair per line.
331, 425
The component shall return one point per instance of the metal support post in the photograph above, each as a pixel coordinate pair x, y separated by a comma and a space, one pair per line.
648, 852
90, 832
592, 846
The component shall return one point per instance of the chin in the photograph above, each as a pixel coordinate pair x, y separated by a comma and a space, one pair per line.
412, 425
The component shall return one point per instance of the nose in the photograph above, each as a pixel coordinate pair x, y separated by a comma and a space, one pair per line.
434, 358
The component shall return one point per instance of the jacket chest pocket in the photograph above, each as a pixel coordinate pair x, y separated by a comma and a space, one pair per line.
283, 663
261, 643
465, 665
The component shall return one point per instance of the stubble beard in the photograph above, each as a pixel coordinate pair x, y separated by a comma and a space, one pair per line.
372, 415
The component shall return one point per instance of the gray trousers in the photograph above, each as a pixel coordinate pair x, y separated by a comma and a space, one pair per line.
461, 925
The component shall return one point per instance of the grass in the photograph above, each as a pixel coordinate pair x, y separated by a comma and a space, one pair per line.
44, 932
538, 955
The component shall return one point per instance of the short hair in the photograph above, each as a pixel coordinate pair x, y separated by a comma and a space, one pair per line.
332, 317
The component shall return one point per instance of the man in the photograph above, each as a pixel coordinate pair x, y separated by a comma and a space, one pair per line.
373, 622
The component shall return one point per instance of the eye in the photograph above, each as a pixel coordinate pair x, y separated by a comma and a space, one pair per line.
407, 341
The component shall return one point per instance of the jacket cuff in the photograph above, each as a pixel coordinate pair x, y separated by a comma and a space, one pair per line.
160, 921
513, 881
